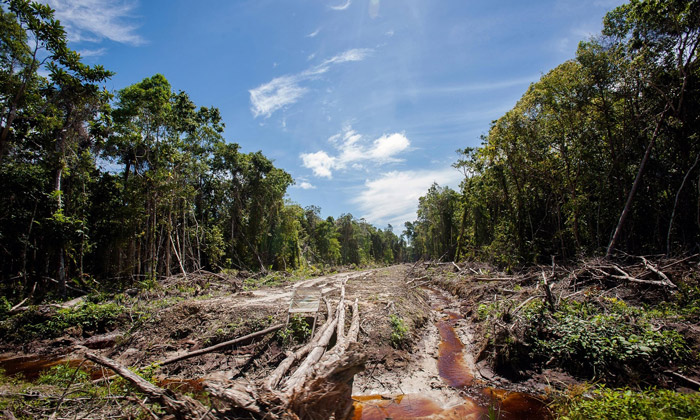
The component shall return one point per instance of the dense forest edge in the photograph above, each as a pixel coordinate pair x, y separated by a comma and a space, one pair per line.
591, 179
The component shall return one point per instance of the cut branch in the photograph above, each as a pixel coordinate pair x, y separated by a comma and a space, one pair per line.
222, 345
184, 409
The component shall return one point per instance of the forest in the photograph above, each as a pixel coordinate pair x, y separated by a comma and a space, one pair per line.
598, 156
105, 191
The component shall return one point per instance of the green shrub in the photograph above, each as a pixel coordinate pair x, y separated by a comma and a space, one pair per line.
623, 404
63, 375
587, 339
297, 331
92, 317
399, 331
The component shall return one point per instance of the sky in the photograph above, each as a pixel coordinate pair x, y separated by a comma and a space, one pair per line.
363, 102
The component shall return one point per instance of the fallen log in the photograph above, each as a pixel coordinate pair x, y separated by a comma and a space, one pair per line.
299, 376
185, 408
276, 376
328, 393
221, 345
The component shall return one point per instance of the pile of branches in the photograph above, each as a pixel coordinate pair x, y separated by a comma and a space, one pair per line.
319, 388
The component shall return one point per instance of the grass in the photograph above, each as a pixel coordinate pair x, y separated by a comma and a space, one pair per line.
625, 404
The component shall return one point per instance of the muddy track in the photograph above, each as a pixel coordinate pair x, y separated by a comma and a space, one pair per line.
441, 380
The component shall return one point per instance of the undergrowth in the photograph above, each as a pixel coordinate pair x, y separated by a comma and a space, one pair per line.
601, 338
38, 323
624, 404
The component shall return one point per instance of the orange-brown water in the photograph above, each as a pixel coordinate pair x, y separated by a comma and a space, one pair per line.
32, 366
409, 406
453, 370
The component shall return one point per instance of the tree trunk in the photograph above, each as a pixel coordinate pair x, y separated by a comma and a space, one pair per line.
635, 185
675, 206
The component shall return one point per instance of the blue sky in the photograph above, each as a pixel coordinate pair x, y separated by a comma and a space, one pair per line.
363, 102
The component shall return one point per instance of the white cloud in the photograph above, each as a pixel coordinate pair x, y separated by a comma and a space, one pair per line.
286, 90
304, 185
92, 53
275, 94
314, 33
353, 150
319, 162
95, 20
393, 197
341, 6
373, 8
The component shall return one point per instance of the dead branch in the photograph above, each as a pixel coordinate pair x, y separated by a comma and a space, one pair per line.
517, 308
17, 307
185, 408
684, 378
221, 345
625, 276
412, 268
420, 284
341, 314
354, 330
143, 407
417, 279
661, 274
679, 261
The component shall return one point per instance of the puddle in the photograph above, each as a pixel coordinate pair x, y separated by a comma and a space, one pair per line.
455, 373
453, 370
409, 406
31, 367
517, 405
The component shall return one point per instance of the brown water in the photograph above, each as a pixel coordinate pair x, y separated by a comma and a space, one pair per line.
32, 366
454, 372
411, 406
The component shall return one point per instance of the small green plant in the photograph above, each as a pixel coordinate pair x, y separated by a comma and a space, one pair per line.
399, 332
63, 375
614, 404
297, 331
5, 307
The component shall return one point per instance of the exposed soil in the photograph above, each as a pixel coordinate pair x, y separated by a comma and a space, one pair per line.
432, 375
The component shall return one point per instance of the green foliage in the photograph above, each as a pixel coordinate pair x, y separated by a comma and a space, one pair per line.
399, 331
623, 404
63, 375
297, 331
585, 339
88, 317
5, 306
554, 172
